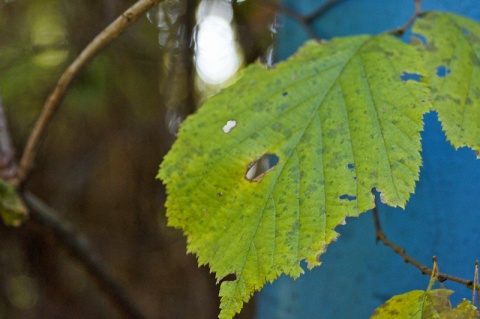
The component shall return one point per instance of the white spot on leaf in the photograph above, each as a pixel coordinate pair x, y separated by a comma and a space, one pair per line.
229, 126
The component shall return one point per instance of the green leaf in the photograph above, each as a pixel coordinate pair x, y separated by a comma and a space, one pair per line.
338, 119
419, 304
12, 209
452, 56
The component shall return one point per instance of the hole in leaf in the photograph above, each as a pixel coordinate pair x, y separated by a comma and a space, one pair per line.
258, 168
443, 71
465, 32
351, 166
348, 197
406, 76
229, 277
229, 126
284, 93
419, 37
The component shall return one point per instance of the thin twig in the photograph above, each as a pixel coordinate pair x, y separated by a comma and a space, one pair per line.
304, 20
320, 11
380, 235
77, 245
53, 101
416, 13
8, 166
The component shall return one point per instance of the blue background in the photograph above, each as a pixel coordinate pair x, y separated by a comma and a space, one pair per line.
441, 218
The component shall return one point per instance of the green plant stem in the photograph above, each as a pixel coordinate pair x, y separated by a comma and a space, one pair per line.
53, 102
380, 236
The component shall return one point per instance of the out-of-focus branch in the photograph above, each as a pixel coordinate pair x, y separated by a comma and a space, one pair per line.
63, 231
8, 166
78, 247
53, 102
380, 235
40, 213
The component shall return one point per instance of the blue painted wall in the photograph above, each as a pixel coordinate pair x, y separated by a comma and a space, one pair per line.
442, 218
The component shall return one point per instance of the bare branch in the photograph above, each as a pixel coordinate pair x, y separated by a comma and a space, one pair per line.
53, 101
320, 11
79, 248
380, 235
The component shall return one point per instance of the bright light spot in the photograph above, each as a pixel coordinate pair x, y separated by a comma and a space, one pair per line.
50, 58
49, 37
218, 8
157, 16
217, 53
229, 126
48, 30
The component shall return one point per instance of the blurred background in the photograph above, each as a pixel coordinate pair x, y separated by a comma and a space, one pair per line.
97, 166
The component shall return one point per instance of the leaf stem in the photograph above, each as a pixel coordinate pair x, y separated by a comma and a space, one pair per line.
380, 236
53, 101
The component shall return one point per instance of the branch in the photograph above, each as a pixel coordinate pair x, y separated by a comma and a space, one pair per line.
53, 101
304, 20
380, 235
320, 11
63, 232
8, 166
416, 13
77, 245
